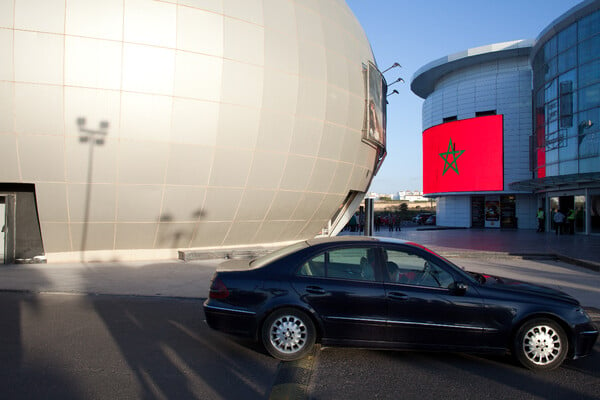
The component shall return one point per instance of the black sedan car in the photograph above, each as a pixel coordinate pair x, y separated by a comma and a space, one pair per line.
386, 293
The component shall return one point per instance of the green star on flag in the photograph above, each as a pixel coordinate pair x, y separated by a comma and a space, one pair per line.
451, 152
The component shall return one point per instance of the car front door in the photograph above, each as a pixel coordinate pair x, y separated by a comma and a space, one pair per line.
344, 288
425, 309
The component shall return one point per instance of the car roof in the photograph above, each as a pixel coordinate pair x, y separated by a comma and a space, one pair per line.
355, 239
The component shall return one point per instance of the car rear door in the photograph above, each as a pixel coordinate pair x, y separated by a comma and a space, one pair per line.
424, 308
344, 288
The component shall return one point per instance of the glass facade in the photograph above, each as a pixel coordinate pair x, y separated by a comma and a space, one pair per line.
595, 213
566, 73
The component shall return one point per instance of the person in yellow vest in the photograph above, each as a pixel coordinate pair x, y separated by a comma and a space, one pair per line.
571, 221
540, 219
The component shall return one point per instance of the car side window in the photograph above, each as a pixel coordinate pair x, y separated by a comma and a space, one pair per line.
351, 263
314, 267
411, 269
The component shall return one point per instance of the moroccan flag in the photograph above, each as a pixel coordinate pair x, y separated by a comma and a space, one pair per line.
464, 156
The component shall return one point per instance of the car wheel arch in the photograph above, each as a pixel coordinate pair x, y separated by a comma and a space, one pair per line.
542, 315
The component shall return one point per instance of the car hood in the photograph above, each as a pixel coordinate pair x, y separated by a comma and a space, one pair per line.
515, 286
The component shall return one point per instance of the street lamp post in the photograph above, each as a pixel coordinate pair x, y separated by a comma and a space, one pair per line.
94, 138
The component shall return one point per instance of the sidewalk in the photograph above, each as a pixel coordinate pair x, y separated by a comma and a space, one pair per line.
478, 250
582, 250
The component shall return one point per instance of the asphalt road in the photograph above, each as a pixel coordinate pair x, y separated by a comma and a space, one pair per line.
367, 374
105, 347
57, 346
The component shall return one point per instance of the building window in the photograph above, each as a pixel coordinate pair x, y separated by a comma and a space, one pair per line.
589, 73
567, 60
588, 49
588, 26
450, 119
485, 113
567, 38
566, 104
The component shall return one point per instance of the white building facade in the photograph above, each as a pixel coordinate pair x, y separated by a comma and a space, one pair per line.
492, 80
136, 128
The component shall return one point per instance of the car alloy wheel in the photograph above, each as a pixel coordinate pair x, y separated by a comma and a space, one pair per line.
288, 334
541, 344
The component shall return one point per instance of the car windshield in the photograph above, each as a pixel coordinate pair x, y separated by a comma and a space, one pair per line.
284, 251
458, 269
462, 271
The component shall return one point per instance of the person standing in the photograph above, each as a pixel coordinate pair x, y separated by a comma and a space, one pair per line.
540, 219
559, 220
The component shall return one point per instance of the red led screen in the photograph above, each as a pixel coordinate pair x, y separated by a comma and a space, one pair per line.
464, 156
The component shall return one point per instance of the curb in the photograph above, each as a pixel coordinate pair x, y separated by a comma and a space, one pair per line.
594, 266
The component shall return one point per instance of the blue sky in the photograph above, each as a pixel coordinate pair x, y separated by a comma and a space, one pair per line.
415, 32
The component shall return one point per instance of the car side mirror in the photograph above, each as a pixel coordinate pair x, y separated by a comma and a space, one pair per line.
459, 288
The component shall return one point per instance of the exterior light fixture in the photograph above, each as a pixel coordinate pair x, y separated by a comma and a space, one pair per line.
394, 65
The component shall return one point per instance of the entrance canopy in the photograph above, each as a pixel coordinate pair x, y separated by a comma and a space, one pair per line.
558, 182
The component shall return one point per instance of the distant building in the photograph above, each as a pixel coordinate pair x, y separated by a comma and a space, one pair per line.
411, 196
477, 124
487, 159
399, 196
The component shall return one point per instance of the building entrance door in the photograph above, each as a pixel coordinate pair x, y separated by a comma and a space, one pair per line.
566, 205
580, 214
508, 212
595, 214
477, 211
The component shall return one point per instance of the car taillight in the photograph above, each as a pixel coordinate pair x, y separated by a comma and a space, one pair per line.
218, 290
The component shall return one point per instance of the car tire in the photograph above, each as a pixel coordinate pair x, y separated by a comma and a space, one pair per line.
288, 334
541, 344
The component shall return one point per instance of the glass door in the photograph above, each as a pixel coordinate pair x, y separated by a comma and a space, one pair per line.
595, 213
508, 212
579, 214
477, 211
553, 208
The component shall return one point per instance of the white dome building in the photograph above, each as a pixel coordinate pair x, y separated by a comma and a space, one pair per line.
134, 128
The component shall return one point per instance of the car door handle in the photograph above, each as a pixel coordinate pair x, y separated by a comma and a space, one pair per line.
315, 290
397, 296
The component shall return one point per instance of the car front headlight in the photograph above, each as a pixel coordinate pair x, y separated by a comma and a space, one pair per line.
582, 312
